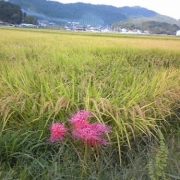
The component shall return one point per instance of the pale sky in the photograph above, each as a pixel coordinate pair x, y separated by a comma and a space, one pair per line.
164, 7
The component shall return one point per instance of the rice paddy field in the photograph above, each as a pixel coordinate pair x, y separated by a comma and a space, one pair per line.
129, 83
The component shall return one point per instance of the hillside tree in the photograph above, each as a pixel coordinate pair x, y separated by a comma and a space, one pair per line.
30, 20
10, 13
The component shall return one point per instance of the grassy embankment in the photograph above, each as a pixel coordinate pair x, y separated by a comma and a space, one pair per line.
131, 83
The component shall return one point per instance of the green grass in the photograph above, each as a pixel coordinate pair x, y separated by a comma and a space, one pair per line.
131, 83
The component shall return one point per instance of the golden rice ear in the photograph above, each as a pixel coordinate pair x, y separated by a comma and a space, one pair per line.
47, 106
61, 103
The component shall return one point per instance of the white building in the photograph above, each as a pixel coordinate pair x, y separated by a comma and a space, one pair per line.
178, 33
27, 25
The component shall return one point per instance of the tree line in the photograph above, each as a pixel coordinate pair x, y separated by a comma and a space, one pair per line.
153, 26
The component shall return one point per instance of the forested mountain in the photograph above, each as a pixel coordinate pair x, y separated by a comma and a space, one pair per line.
10, 13
84, 13
88, 14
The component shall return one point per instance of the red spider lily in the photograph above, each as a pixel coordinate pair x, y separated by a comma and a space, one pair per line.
79, 120
92, 134
58, 131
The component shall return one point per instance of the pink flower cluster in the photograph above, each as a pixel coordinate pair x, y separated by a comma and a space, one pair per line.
90, 133
58, 131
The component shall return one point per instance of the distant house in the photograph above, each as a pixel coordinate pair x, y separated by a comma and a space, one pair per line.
178, 33
146, 32
43, 23
123, 30
2, 23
